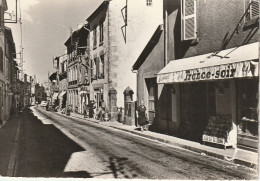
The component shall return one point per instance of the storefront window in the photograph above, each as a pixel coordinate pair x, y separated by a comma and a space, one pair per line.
247, 102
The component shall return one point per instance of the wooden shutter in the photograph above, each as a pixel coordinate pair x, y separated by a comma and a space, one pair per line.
254, 9
1, 60
91, 68
189, 25
97, 67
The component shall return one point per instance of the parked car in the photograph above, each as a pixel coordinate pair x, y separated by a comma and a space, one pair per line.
44, 103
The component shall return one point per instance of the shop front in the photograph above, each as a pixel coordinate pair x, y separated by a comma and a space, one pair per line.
62, 99
84, 98
218, 95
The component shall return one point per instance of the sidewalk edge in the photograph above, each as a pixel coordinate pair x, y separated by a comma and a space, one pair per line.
197, 150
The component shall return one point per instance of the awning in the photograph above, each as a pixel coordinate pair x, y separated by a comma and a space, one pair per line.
62, 94
231, 63
55, 95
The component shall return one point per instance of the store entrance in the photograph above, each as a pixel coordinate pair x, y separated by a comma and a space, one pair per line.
197, 103
152, 88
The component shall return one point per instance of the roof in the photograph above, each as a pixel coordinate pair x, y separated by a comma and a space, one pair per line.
140, 60
102, 5
76, 33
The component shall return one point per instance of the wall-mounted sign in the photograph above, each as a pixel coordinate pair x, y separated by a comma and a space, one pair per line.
227, 71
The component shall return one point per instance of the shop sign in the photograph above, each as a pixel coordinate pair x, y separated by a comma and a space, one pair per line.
227, 71
213, 139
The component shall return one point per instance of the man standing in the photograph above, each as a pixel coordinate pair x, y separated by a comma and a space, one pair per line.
85, 109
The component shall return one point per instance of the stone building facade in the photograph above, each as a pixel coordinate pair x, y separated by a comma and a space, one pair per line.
118, 33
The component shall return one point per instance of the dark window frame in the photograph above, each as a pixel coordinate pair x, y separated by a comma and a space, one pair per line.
95, 37
101, 32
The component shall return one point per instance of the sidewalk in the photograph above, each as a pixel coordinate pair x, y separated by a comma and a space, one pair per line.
9, 133
238, 156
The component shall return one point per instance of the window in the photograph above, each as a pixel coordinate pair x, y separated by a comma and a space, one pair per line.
101, 67
253, 10
189, 25
95, 37
1, 60
101, 32
148, 2
97, 67
93, 69
1, 16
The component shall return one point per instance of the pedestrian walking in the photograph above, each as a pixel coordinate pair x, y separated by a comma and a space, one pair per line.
69, 108
91, 108
102, 111
47, 106
141, 115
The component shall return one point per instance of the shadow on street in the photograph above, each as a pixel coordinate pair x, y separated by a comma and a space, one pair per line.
43, 150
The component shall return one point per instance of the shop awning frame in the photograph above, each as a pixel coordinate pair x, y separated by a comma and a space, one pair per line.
236, 62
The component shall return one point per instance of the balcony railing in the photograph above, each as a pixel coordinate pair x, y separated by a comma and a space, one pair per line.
74, 82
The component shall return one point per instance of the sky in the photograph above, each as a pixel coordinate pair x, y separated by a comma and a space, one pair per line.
45, 28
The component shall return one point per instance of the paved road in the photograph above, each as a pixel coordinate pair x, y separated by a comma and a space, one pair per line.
108, 153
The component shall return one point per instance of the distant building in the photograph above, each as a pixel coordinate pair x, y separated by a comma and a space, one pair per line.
63, 82
40, 94
77, 68
119, 30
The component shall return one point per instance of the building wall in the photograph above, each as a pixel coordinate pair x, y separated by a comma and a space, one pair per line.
4, 112
122, 55
216, 30
153, 63
119, 56
99, 50
215, 21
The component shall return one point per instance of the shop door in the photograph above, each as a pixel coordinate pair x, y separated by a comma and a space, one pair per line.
194, 110
98, 98
152, 88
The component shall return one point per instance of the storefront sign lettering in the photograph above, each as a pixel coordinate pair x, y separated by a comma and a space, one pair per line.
227, 71
201, 75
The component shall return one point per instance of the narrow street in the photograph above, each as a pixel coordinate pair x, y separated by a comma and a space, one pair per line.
68, 147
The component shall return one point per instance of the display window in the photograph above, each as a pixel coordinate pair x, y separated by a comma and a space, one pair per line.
247, 106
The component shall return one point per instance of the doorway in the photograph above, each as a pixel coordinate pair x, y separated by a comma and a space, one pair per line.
197, 103
152, 89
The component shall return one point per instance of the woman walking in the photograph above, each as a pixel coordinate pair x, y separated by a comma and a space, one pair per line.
141, 115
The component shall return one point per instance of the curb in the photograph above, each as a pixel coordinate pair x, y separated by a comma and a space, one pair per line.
197, 150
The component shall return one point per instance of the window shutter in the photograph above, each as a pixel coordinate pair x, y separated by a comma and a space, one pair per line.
254, 9
189, 25
97, 67
91, 68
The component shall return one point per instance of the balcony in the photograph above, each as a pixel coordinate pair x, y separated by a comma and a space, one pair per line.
73, 83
